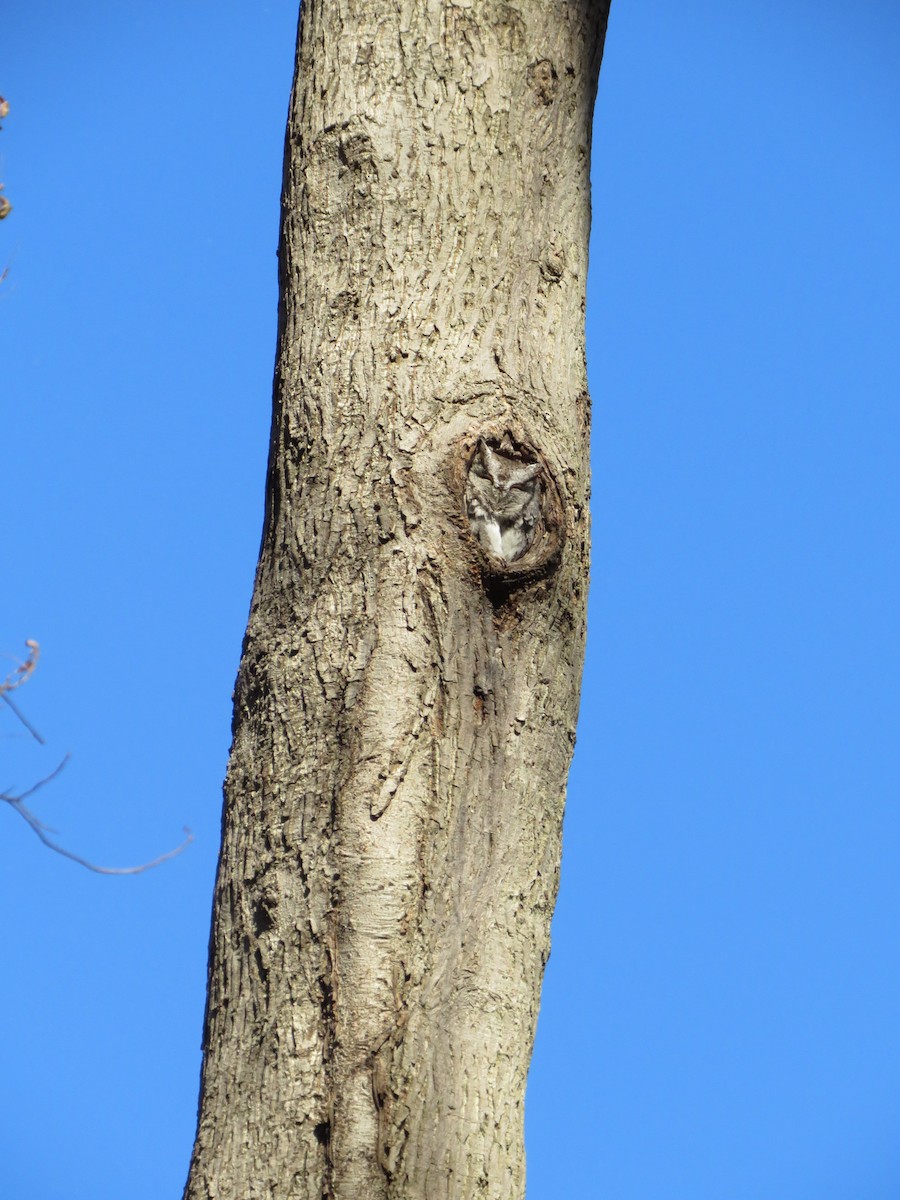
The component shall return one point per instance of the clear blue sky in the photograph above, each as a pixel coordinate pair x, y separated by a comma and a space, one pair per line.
721, 1011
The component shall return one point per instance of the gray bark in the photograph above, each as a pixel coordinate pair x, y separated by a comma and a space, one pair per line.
406, 703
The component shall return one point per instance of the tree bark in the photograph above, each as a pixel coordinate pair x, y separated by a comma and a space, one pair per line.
406, 703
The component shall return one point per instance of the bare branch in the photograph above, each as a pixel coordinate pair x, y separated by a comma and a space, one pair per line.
24, 670
16, 678
21, 716
20, 675
36, 787
42, 831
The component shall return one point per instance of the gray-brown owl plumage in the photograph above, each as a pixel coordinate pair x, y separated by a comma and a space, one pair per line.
503, 502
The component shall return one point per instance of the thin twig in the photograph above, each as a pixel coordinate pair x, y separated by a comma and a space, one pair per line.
31, 729
36, 787
41, 830
24, 670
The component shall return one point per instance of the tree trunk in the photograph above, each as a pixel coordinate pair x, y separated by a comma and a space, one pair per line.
405, 708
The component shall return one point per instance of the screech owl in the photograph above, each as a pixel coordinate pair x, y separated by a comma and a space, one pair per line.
503, 502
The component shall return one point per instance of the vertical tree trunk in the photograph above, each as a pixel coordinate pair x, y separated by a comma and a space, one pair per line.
405, 708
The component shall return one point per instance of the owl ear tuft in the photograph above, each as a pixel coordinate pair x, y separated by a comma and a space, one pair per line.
528, 473
489, 462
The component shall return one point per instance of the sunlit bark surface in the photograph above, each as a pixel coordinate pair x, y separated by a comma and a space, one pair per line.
406, 703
